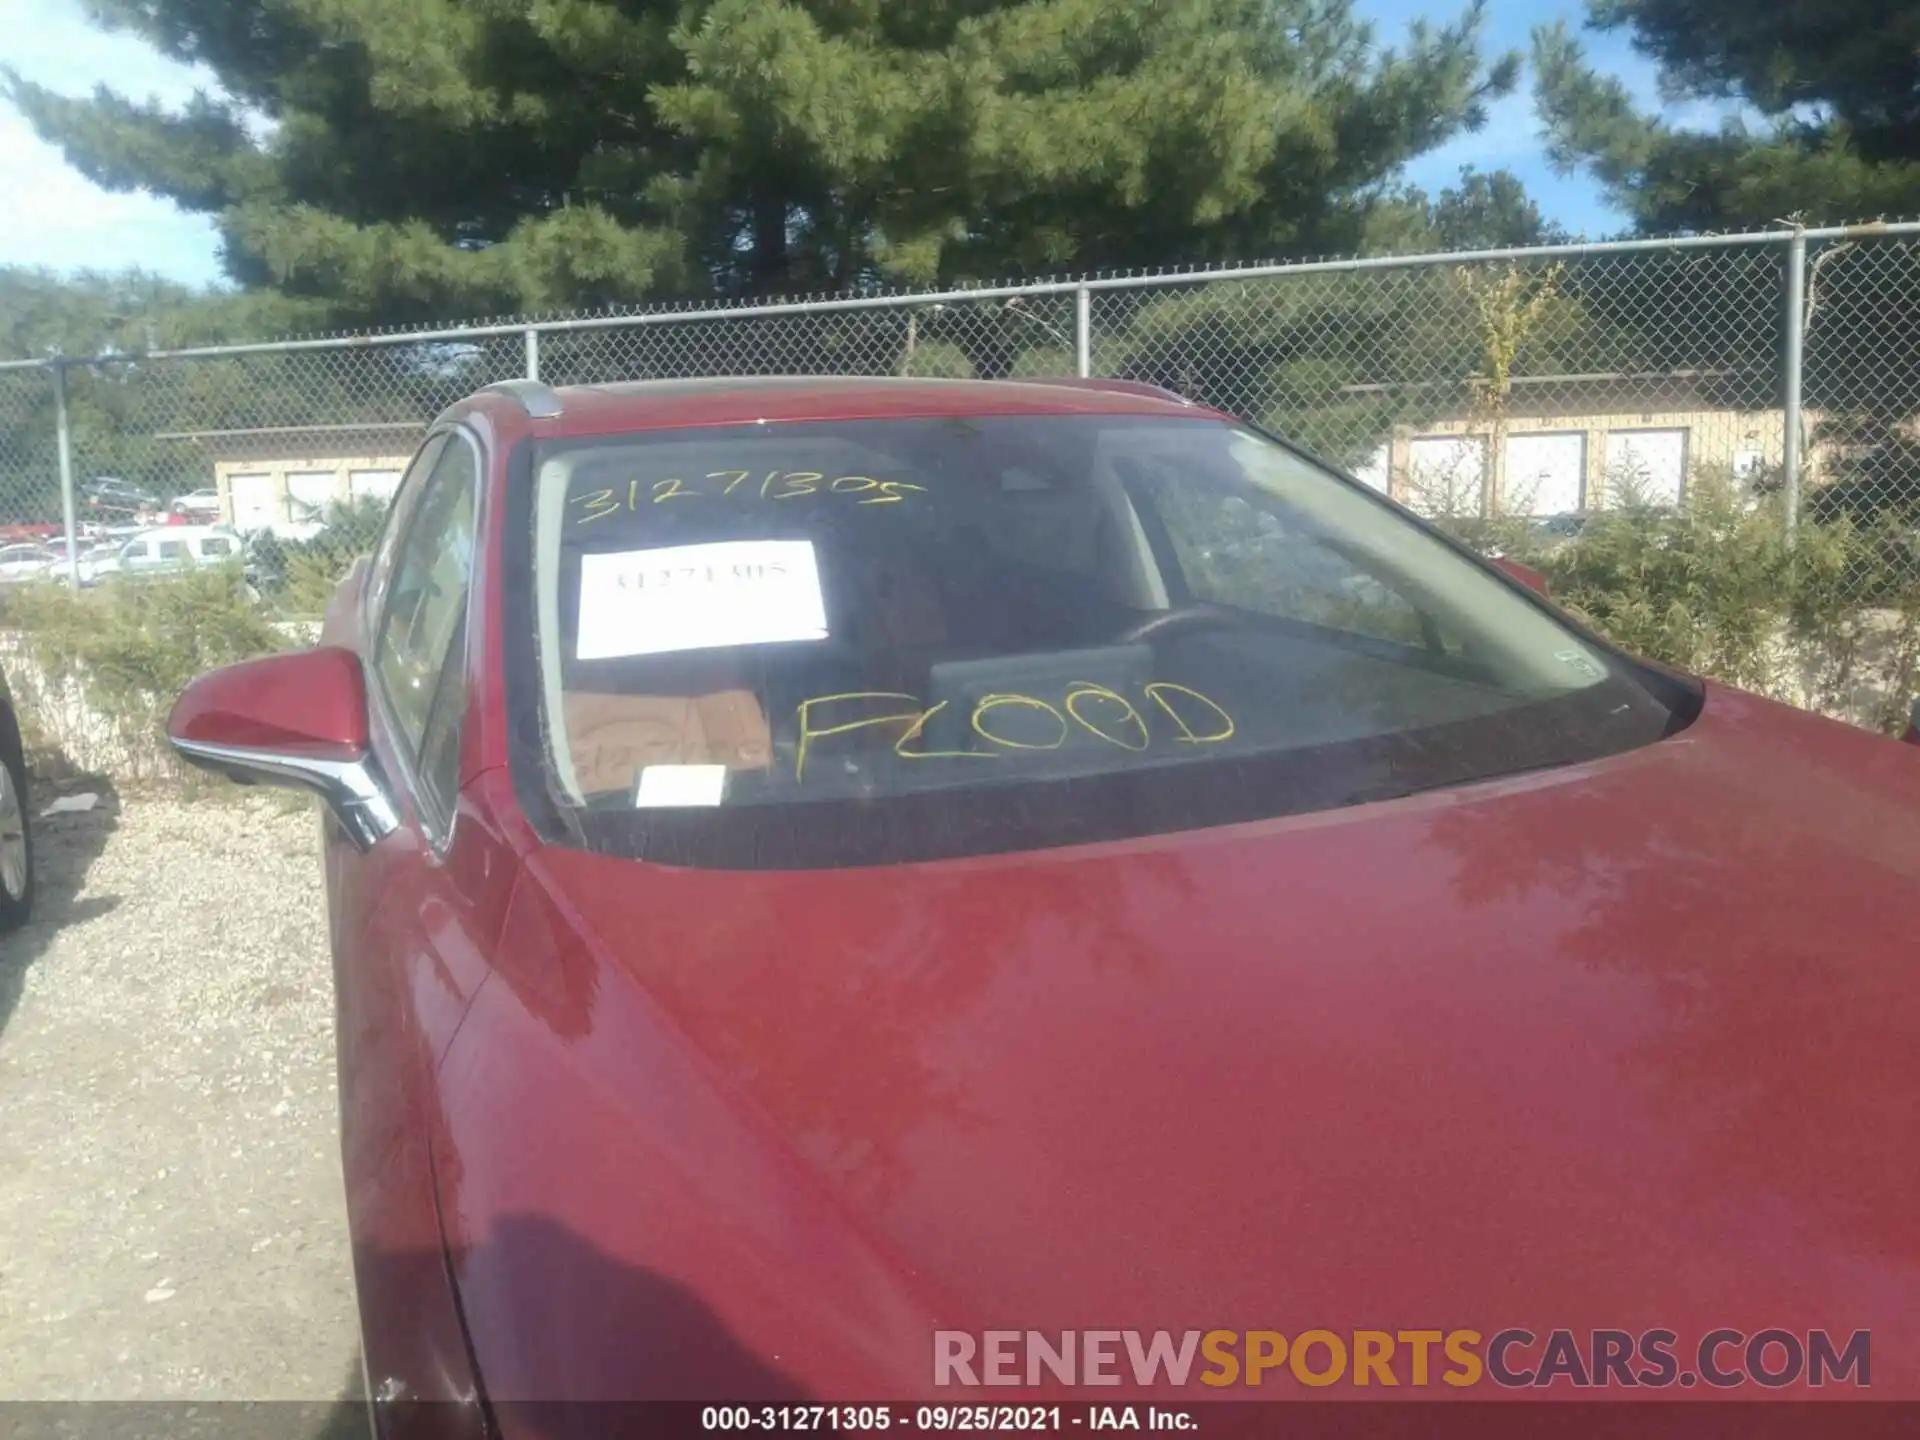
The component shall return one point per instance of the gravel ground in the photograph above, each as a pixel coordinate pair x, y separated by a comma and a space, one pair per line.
171, 1221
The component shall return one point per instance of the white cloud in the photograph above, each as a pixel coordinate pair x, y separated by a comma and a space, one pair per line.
1509, 136
53, 42
56, 217
53, 215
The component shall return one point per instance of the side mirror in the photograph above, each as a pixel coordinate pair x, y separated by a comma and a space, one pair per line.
1525, 574
296, 720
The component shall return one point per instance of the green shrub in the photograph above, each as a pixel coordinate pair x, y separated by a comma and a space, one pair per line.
1702, 589
298, 577
128, 648
1829, 620
311, 577
1853, 603
1044, 361
937, 360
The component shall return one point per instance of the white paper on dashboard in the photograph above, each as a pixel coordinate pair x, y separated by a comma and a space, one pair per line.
663, 786
699, 597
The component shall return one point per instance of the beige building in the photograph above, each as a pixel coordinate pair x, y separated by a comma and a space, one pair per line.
1575, 443
281, 479
1565, 444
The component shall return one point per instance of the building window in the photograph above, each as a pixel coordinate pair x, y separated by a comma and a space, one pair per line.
1646, 467
1446, 473
1546, 473
310, 493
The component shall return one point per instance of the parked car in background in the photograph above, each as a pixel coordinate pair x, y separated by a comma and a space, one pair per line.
110, 493
85, 551
202, 503
816, 862
16, 824
1558, 530
20, 563
170, 549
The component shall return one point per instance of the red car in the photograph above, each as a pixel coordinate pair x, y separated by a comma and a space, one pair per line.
825, 872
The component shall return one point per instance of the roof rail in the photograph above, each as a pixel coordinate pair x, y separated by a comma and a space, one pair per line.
542, 402
1118, 387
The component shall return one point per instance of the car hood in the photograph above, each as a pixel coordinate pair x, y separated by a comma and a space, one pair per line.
1626, 1045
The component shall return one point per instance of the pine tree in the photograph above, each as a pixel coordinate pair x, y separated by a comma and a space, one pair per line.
443, 158
1837, 83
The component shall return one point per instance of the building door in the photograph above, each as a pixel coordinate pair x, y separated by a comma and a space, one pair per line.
252, 497
310, 494
1646, 467
1546, 474
1444, 474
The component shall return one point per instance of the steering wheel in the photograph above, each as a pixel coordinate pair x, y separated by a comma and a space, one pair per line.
1187, 617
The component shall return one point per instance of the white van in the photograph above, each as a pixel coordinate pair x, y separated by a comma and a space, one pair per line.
171, 548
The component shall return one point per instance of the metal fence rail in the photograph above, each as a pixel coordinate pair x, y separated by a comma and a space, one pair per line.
1538, 383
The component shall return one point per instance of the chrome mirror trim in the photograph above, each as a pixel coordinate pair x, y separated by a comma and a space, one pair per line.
352, 789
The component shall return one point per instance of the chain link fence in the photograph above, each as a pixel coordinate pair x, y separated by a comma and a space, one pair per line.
1533, 400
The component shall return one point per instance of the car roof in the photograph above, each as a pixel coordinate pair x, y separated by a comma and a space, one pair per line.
183, 532
676, 404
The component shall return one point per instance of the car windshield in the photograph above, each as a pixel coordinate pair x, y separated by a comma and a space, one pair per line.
831, 643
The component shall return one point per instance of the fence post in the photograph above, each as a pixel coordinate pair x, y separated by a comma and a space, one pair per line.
1796, 318
63, 441
1083, 332
533, 353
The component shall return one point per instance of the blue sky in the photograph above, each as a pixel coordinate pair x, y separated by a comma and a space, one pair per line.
52, 216
1511, 137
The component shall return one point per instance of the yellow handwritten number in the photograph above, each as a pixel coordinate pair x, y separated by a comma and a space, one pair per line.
892, 492
798, 483
600, 504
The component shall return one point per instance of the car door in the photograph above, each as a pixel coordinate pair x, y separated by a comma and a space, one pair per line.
348, 873
172, 555
408, 954
21, 562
